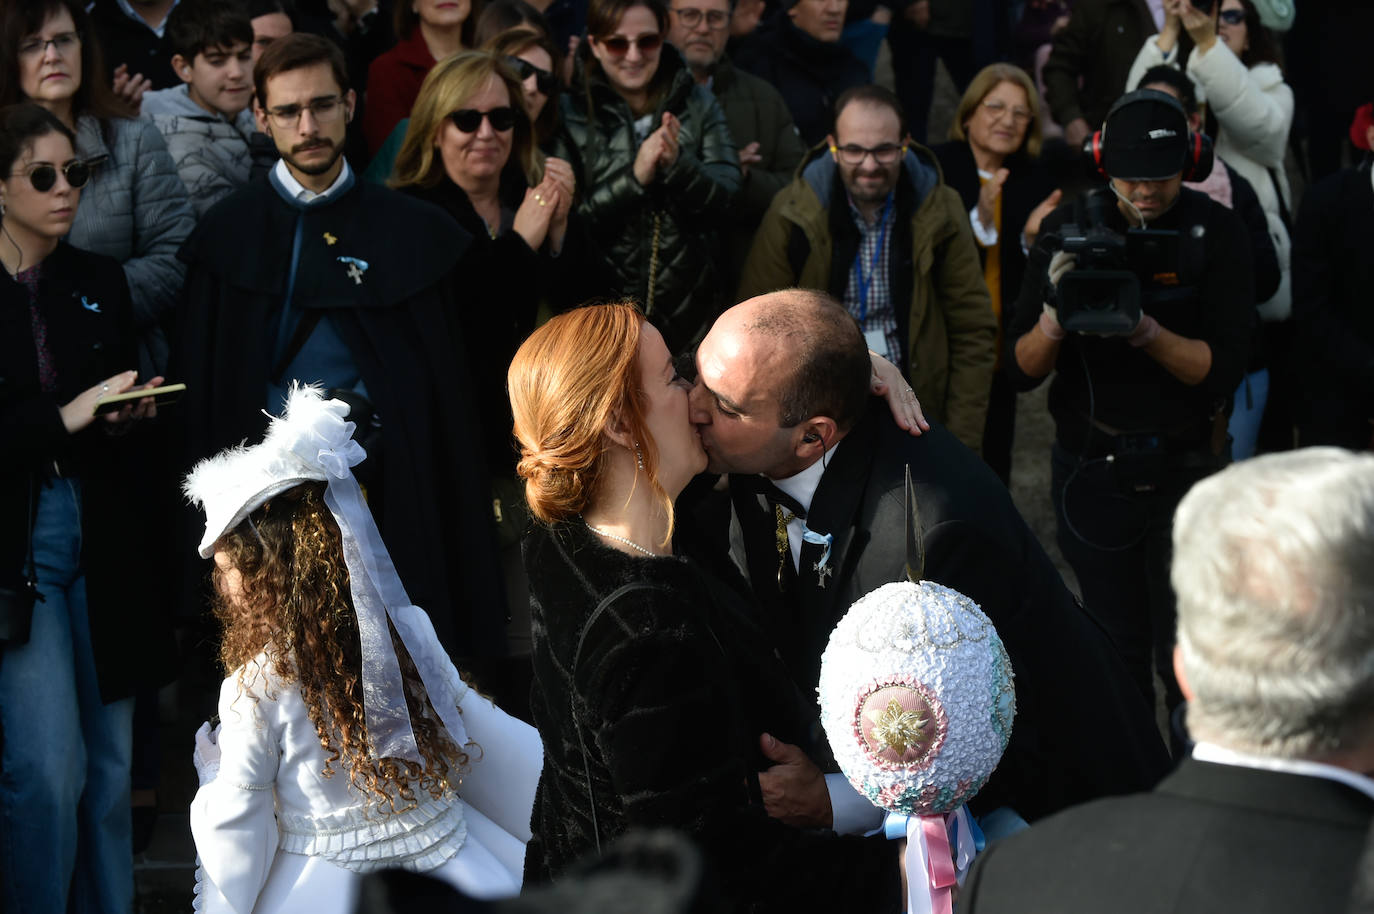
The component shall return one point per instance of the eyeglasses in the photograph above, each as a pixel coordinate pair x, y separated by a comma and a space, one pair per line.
691, 17
469, 120
544, 81
44, 177
885, 154
63, 43
323, 110
1232, 17
997, 108
619, 45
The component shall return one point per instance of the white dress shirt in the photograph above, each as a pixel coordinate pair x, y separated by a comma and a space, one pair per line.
299, 191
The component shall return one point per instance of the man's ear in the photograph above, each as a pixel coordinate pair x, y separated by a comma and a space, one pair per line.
1369, 136
832, 146
817, 435
350, 100
260, 116
182, 67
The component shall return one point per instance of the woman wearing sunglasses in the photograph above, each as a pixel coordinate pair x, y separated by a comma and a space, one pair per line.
470, 149
1234, 62
532, 57
658, 167
136, 207
69, 499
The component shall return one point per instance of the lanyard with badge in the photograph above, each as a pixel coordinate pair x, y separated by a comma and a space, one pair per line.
876, 339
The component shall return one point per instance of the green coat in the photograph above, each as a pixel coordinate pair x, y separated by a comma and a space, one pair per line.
948, 321
661, 242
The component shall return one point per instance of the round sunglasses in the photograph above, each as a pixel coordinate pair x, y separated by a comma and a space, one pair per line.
544, 81
44, 177
469, 120
619, 45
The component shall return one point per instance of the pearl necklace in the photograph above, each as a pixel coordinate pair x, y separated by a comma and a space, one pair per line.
620, 539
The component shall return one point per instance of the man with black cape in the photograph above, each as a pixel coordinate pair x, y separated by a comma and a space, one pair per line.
314, 275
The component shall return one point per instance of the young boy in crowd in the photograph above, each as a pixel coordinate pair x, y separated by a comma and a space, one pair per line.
208, 120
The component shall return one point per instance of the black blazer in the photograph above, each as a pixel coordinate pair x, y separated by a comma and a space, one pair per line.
85, 303
1213, 838
1082, 729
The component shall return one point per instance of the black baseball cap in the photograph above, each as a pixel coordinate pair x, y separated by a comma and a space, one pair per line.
1145, 137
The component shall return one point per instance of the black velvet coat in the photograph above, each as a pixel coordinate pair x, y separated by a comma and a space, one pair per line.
85, 304
672, 689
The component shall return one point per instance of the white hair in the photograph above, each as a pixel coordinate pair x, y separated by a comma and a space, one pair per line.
1274, 571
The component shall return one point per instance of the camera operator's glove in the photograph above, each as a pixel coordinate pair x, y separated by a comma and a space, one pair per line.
1061, 263
206, 755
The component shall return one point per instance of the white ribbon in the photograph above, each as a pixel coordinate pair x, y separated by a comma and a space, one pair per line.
378, 595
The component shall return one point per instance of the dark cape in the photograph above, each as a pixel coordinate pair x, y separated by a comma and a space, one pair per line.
672, 688
401, 329
1082, 729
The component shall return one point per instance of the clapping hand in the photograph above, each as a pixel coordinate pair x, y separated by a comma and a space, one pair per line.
1037, 216
535, 217
206, 754
987, 197
749, 155
130, 89
658, 151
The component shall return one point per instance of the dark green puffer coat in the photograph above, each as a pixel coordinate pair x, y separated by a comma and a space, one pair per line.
661, 242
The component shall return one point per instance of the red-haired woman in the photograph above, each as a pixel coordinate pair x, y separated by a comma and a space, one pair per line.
652, 684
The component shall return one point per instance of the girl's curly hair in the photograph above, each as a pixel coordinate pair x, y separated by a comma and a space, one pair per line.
293, 601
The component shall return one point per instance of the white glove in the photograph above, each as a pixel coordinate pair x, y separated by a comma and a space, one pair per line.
1061, 263
206, 754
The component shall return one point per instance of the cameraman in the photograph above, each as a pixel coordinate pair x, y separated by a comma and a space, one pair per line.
1140, 413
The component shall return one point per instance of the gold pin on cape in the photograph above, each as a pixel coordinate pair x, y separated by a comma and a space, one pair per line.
330, 240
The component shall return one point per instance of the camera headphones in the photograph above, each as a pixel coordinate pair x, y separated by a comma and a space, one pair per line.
1198, 157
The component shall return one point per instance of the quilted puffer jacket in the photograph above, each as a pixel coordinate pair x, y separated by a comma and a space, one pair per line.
661, 242
135, 210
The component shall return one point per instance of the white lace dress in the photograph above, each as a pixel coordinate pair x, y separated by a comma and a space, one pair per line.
273, 835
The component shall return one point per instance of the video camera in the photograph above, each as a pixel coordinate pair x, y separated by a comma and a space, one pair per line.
1101, 294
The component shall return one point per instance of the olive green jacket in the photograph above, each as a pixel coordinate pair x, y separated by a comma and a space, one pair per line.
808, 239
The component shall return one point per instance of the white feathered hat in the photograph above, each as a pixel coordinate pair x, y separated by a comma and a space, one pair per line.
309, 442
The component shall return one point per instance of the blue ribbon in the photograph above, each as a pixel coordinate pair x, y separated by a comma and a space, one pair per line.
819, 539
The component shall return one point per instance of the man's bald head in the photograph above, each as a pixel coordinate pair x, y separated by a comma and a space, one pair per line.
825, 367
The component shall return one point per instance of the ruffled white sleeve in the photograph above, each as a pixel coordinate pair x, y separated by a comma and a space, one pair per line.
233, 817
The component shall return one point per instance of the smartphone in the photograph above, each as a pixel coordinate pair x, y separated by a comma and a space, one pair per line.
162, 396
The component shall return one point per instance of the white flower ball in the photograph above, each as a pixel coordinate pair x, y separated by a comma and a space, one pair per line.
916, 697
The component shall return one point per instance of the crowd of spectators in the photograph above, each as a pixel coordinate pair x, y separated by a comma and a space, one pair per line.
388, 197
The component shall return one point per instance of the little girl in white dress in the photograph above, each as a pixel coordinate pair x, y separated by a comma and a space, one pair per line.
347, 742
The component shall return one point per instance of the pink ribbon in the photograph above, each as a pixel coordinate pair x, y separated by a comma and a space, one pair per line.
940, 864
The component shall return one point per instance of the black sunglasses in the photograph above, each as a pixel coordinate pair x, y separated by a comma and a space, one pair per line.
1232, 17
619, 45
543, 80
44, 177
469, 120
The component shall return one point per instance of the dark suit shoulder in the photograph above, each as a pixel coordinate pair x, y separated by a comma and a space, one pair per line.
1209, 838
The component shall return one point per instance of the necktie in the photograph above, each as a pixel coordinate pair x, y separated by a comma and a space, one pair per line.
784, 517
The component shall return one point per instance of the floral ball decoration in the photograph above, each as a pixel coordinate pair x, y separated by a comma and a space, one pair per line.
916, 697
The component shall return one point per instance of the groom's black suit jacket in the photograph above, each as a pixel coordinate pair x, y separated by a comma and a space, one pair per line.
1082, 730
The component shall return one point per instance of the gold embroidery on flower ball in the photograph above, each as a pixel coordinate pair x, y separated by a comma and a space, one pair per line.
897, 728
